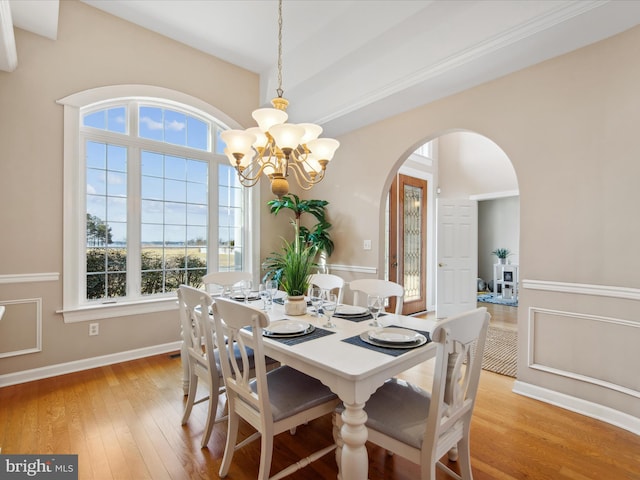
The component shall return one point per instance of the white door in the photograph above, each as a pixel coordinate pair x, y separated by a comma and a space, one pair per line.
457, 253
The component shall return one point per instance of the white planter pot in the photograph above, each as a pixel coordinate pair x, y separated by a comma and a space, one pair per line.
295, 305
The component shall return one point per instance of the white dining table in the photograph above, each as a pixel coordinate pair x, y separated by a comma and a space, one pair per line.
351, 371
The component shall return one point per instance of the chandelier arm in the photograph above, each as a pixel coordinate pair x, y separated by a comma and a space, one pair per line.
249, 176
302, 178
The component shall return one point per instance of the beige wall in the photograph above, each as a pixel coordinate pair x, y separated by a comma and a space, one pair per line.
93, 49
570, 128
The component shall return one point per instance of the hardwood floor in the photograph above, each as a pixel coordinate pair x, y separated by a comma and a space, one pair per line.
123, 421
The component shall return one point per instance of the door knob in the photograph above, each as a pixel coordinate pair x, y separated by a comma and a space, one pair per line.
442, 264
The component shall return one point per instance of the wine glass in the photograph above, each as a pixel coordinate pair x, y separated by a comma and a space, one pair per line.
265, 295
375, 304
272, 286
246, 289
316, 300
329, 306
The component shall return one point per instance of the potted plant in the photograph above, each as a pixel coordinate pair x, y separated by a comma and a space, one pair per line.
292, 269
502, 254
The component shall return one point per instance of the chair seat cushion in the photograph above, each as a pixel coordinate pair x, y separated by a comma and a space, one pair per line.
291, 392
399, 410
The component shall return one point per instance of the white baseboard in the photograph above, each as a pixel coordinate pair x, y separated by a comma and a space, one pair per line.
85, 364
583, 407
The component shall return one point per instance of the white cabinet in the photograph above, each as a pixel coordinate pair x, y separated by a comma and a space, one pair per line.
507, 277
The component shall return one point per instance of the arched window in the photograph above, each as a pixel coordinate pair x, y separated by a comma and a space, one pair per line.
150, 200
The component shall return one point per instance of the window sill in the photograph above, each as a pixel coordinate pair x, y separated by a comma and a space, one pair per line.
113, 310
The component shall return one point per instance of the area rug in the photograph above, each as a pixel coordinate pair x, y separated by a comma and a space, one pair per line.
490, 298
500, 351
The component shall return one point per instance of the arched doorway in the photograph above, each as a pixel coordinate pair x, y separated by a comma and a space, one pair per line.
454, 165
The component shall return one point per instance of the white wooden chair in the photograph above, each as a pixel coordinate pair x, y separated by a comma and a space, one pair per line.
376, 286
428, 425
328, 281
274, 402
215, 282
202, 356
197, 337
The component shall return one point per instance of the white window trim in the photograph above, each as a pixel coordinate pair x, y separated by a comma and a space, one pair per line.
73, 256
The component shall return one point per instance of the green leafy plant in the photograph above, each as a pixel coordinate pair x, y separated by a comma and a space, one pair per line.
501, 252
318, 235
291, 268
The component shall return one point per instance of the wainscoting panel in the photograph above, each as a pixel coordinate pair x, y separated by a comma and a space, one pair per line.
21, 327
588, 348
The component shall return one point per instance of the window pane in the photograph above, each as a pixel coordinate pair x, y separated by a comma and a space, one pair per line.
152, 212
197, 171
96, 181
117, 158
116, 120
175, 127
116, 184
116, 209
197, 134
152, 164
175, 191
175, 213
96, 120
150, 123
96, 154
197, 214
175, 167
152, 188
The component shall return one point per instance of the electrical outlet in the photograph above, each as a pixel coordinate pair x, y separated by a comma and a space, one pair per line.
367, 245
94, 329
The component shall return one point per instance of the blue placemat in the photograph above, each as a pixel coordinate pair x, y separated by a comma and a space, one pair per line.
396, 352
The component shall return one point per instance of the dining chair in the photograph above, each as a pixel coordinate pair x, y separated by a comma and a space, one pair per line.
273, 402
197, 338
203, 357
376, 286
329, 282
215, 282
431, 424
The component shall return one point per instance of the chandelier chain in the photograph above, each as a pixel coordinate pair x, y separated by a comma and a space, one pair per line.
280, 91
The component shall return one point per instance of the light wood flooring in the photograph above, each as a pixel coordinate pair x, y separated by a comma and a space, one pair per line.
123, 421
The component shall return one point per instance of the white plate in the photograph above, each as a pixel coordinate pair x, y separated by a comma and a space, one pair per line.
351, 310
421, 340
394, 335
286, 327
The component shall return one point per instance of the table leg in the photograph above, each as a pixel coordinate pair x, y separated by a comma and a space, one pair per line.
354, 461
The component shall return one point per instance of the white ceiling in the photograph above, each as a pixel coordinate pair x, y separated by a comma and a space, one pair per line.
347, 63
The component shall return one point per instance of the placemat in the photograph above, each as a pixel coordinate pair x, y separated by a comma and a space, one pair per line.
396, 352
317, 333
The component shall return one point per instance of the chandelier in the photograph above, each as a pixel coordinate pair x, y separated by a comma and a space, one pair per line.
276, 148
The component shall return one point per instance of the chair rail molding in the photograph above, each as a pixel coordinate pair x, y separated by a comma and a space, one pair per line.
29, 277
583, 289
